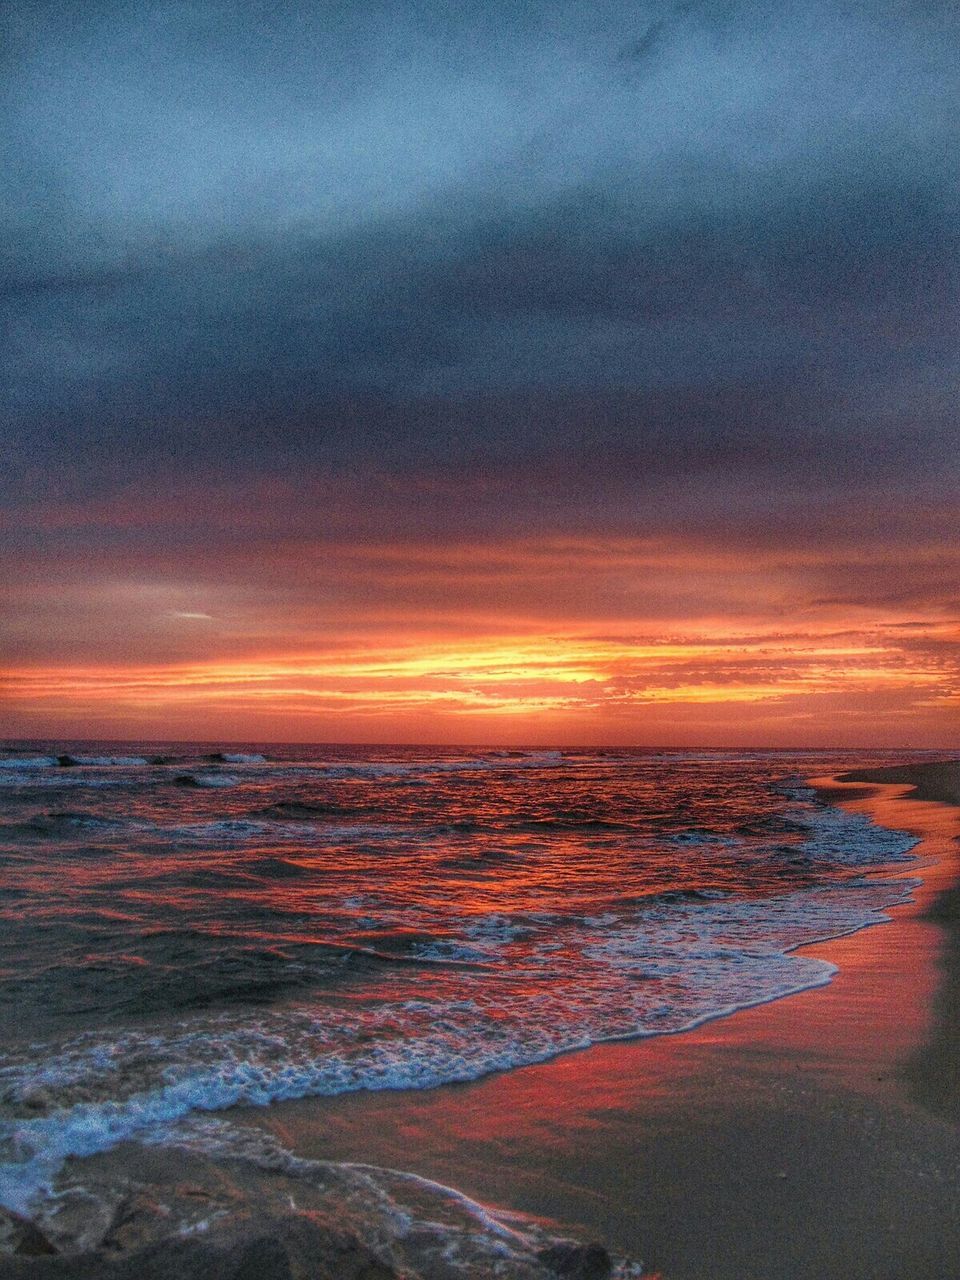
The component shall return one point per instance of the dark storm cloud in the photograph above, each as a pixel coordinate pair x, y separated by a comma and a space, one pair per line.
661, 239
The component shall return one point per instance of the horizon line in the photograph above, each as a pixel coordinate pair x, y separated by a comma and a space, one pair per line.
480, 746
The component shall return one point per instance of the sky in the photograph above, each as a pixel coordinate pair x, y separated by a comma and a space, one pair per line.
503, 373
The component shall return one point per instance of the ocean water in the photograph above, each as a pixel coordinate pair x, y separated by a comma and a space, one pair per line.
191, 929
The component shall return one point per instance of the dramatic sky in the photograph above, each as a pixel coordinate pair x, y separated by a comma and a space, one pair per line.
504, 372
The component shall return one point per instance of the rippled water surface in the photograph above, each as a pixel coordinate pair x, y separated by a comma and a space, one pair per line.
188, 928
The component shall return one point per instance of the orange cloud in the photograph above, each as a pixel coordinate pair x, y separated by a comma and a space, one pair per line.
532, 688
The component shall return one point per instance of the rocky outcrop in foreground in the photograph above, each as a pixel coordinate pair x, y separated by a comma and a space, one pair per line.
174, 1214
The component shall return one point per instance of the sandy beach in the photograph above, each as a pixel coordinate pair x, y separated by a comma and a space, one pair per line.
812, 1137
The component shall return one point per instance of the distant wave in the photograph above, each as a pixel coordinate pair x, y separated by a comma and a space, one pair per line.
236, 757
205, 780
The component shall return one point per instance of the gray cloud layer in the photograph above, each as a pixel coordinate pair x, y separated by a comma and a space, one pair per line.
648, 240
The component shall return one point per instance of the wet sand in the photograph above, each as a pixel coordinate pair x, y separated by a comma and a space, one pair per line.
811, 1138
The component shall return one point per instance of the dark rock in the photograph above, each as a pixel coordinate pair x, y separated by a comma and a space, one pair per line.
577, 1261
20, 1236
36, 1098
322, 1251
66, 762
305, 1250
264, 1259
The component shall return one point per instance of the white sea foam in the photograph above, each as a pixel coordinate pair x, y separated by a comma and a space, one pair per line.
849, 839
241, 757
109, 761
57, 778
669, 968
500, 928
447, 949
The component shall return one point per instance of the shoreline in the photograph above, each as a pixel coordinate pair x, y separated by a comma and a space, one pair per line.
933, 1073
814, 1127
812, 1136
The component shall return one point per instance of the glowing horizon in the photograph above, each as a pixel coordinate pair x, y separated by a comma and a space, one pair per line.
379, 670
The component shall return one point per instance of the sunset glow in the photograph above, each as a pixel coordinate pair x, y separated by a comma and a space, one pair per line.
688, 679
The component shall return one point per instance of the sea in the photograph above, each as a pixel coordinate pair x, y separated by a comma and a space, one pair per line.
189, 930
